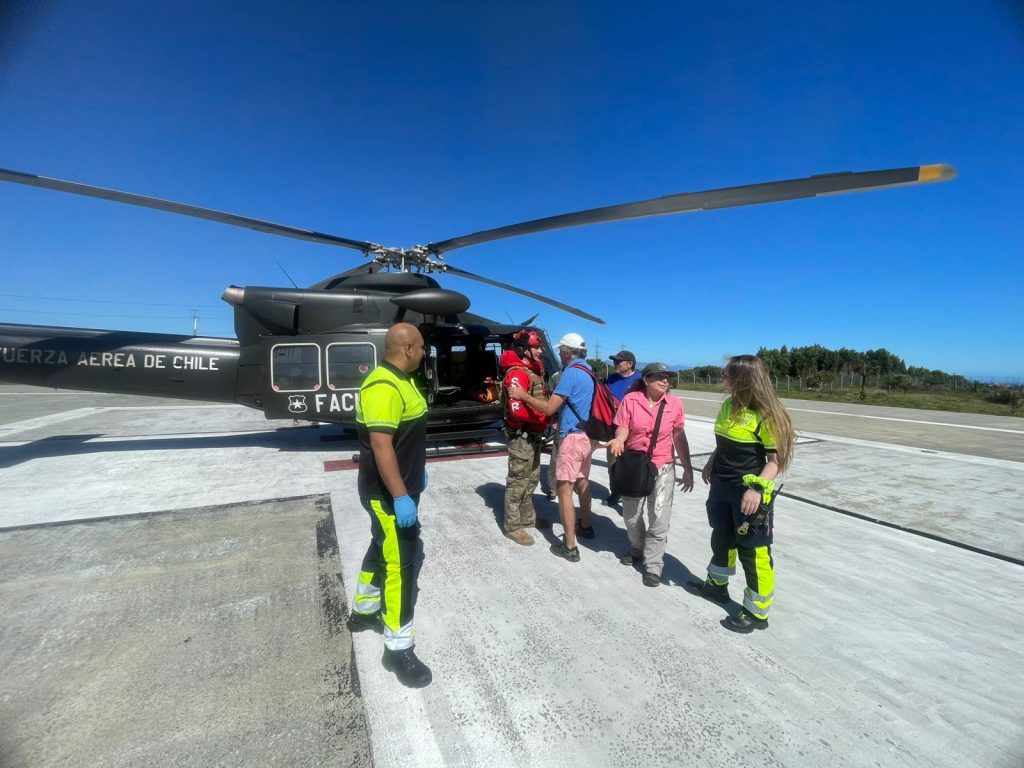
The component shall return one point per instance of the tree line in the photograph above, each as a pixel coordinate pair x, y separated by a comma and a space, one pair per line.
816, 365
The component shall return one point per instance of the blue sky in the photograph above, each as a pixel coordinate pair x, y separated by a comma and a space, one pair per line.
405, 123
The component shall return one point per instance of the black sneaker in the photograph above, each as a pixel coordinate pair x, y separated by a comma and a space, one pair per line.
585, 533
572, 555
714, 592
652, 579
365, 622
744, 623
410, 671
629, 558
613, 500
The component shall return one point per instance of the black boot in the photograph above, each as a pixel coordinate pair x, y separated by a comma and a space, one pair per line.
714, 592
744, 622
365, 622
410, 671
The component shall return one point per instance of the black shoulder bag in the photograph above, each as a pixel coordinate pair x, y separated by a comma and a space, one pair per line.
633, 474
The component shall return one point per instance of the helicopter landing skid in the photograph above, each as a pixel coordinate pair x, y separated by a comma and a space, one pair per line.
443, 445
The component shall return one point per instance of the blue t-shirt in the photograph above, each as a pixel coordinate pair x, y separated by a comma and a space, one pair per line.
577, 387
620, 386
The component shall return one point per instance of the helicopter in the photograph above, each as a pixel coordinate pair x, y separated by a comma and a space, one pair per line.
302, 353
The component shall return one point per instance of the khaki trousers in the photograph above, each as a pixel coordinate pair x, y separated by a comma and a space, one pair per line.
650, 538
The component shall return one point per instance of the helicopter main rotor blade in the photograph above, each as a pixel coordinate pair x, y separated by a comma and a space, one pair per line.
185, 210
536, 296
728, 197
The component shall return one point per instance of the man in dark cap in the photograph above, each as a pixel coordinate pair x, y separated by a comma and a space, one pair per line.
619, 383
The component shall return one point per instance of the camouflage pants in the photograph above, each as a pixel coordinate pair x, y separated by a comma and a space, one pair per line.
522, 480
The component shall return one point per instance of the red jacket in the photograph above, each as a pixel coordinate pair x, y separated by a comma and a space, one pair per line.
529, 376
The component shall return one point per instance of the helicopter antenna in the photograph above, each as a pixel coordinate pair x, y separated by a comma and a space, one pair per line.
286, 274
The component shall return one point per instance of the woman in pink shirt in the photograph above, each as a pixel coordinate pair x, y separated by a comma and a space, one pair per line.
635, 420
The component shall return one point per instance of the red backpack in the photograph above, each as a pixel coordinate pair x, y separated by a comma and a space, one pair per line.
600, 423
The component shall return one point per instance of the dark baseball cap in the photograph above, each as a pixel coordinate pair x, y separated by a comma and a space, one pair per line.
624, 354
652, 369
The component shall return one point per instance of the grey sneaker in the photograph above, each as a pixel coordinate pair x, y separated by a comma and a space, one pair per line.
631, 557
584, 533
572, 555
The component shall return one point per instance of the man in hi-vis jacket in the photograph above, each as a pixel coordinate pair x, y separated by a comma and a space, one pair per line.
391, 421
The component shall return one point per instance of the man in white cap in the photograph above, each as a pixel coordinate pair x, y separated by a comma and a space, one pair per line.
576, 389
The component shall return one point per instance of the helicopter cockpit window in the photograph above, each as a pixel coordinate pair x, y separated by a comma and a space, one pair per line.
295, 368
348, 364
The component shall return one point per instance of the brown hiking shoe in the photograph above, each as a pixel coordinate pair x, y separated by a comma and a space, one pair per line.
519, 536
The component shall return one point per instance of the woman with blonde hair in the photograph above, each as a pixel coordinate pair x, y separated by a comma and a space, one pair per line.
754, 440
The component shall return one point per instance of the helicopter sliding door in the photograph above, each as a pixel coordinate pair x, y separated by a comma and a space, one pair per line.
316, 379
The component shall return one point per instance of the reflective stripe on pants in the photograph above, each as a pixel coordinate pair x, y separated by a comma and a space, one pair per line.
755, 556
387, 579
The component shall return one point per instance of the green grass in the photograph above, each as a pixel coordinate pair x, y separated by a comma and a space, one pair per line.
934, 400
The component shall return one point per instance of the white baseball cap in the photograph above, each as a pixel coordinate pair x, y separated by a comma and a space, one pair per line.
572, 341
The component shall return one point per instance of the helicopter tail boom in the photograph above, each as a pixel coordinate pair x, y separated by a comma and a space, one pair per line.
120, 362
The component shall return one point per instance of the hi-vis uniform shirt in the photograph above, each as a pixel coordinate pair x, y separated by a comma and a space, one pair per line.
743, 441
390, 402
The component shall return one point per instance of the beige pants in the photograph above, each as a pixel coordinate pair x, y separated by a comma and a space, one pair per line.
651, 538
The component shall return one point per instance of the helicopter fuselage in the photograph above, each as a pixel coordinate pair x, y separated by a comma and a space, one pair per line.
294, 357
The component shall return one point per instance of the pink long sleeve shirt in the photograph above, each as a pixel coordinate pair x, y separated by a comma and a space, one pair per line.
635, 414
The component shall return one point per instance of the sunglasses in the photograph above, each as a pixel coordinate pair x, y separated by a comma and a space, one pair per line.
658, 377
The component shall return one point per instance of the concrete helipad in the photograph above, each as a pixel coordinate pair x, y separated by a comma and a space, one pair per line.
892, 643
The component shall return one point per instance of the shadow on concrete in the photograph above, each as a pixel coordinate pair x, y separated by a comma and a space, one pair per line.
493, 495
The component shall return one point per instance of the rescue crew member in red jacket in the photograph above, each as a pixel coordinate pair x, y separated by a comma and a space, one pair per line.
524, 367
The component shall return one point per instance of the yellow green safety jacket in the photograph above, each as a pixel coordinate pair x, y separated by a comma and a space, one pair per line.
743, 443
390, 402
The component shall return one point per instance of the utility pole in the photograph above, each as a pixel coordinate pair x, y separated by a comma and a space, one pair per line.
597, 351
195, 321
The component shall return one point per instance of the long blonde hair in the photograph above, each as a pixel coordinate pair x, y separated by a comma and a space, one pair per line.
752, 388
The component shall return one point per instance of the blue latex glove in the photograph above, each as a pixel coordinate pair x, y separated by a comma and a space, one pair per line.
405, 511
426, 478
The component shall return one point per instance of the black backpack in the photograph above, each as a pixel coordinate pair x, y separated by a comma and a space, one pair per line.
600, 422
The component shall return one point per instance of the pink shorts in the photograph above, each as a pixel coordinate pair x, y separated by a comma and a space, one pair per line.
574, 457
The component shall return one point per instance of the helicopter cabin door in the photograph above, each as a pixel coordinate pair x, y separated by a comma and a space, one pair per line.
317, 378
